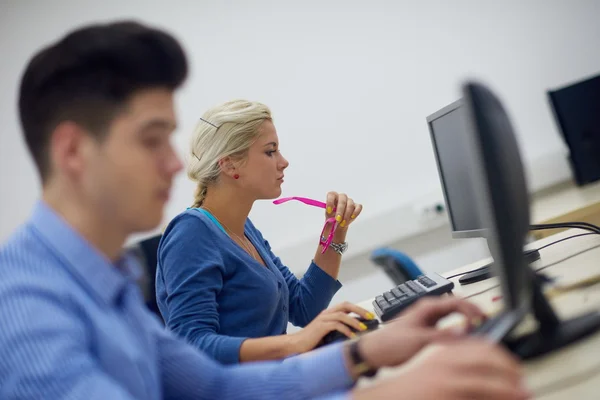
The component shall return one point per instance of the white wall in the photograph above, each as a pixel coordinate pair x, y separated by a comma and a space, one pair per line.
349, 82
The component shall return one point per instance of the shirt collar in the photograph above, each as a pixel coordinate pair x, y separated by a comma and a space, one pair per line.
94, 270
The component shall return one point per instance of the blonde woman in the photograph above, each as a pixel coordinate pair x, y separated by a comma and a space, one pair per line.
218, 283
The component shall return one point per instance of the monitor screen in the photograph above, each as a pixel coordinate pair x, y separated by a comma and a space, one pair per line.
577, 111
449, 139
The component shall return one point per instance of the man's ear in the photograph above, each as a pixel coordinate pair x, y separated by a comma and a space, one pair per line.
68, 148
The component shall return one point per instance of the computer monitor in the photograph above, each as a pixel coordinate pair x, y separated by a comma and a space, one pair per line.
498, 181
503, 207
576, 110
454, 160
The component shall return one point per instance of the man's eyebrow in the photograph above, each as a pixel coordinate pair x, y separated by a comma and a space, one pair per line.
158, 123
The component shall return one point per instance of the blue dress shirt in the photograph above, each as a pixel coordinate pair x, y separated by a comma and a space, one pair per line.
211, 292
73, 326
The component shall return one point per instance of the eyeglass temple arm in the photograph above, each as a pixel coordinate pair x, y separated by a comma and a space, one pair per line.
305, 200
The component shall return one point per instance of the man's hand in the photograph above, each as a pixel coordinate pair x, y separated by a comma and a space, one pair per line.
414, 329
470, 369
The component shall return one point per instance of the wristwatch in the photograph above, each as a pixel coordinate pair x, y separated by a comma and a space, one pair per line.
360, 365
339, 248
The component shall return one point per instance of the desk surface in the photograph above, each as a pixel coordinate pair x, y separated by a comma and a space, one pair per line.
572, 372
562, 199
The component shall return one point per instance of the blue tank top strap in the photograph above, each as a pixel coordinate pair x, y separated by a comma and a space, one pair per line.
210, 216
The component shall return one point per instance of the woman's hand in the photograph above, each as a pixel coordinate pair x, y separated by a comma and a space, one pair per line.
346, 210
332, 319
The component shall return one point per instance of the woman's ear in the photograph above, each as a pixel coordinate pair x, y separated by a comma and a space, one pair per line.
227, 166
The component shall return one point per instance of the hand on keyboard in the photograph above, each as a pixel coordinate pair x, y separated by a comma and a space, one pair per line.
402, 338
332, 319
471, 369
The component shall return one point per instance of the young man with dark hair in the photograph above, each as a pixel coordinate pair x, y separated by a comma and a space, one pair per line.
97, 113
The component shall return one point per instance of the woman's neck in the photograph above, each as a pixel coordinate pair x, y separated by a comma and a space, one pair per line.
229, 208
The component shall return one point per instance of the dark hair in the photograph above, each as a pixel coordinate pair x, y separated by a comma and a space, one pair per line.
89, 75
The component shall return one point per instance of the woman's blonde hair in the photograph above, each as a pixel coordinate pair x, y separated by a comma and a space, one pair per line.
227, 130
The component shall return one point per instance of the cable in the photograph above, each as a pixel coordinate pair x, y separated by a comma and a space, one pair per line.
566, 258
579, 225
542, 268
567, 238
582, 224
538, 249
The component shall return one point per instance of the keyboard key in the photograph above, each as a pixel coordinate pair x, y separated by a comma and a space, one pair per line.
397, 293
404, 289
415, 287
380, 300
388, 296
427, 282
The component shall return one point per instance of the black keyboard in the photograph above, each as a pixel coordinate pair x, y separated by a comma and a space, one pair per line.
390, 303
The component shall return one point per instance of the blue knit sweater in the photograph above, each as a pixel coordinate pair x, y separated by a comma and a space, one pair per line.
214, 294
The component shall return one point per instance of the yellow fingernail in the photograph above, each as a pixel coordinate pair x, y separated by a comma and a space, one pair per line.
343, 224
329, 210
352, 216
370, 316
363, 326
338, 218
353, 335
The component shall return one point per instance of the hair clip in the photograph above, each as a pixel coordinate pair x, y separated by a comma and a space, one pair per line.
210, 123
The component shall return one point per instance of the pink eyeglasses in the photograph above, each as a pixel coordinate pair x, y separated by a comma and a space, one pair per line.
322, 241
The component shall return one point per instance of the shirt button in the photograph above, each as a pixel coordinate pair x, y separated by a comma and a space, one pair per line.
284, 308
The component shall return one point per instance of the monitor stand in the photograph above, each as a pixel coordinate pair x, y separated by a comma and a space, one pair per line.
485, 272
551, 333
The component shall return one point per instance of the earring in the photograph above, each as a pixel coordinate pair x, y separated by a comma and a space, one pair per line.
236, 176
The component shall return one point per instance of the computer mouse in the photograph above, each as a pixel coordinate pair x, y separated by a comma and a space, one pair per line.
336, 336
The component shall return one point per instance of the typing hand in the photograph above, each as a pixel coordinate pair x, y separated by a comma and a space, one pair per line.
414, 329
332, 319
470, 369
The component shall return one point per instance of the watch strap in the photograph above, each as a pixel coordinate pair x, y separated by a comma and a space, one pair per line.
339, 248
360, 365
